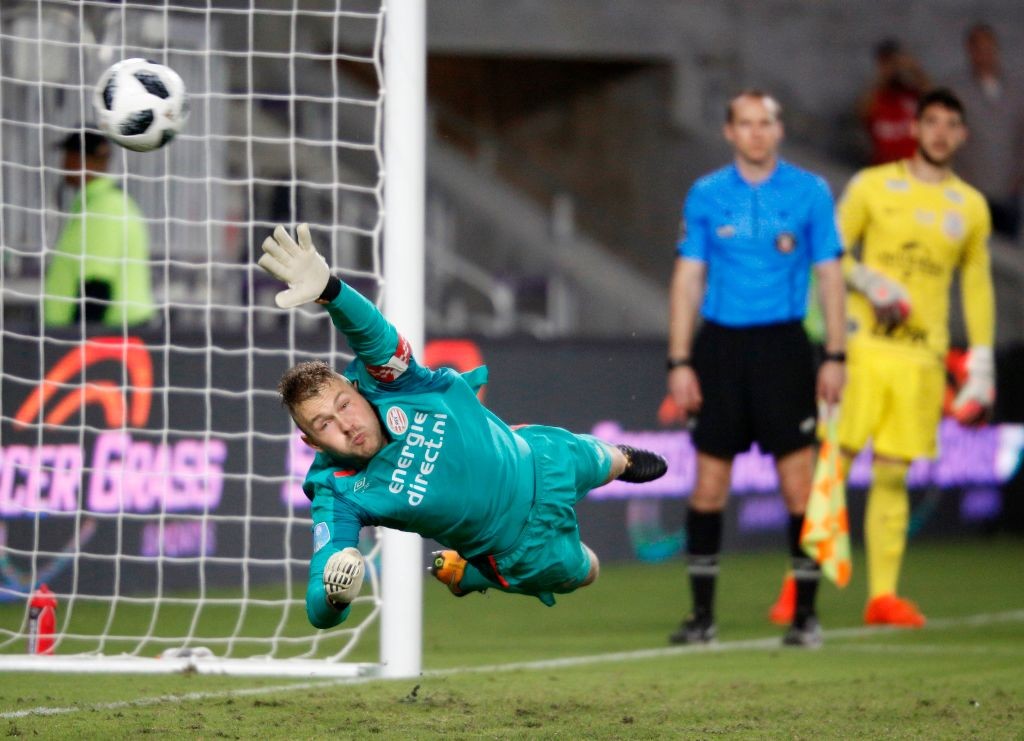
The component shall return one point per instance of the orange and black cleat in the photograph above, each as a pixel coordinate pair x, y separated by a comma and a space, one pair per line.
448, 567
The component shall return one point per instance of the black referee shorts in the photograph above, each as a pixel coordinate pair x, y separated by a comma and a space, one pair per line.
758, 385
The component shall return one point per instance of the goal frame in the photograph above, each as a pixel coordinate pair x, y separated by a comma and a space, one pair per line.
400, 616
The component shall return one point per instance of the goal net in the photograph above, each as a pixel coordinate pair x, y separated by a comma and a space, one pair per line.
148, 475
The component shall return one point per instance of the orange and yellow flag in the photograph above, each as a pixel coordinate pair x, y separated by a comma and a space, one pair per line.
826, 533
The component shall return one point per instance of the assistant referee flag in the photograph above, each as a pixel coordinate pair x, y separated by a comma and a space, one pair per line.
826, 533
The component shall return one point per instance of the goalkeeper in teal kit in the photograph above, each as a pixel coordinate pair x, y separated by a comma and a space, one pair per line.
413, 449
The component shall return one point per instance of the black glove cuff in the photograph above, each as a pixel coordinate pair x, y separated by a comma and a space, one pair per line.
331, 290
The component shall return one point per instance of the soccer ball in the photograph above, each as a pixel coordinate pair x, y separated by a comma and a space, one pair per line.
140, 104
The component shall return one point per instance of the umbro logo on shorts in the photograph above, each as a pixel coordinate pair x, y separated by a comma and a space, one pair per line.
807, 425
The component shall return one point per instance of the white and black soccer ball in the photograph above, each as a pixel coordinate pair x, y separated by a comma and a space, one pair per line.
140, 104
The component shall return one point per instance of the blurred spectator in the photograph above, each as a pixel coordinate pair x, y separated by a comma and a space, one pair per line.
993, 158
887, 108
100, 264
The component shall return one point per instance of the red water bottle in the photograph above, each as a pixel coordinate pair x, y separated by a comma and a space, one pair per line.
42, 620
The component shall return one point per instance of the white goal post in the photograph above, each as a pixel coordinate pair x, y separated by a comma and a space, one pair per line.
148, 475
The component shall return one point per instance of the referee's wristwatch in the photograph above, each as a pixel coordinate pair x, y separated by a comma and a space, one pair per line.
673, 363
834, 356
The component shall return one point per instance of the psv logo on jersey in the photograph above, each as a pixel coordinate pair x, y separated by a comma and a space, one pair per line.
396, 420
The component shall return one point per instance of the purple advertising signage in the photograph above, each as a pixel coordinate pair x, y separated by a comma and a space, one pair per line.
130, 448
969, 457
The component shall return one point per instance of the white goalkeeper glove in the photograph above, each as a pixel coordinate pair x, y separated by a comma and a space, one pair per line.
297, 264
976, 397
343, 576
888, 298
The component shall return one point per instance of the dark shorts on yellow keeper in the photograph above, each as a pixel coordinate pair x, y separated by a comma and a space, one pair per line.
548, 556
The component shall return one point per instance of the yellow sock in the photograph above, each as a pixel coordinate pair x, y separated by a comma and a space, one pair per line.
885, 525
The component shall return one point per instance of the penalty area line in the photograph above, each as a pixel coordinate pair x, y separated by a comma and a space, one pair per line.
755, 644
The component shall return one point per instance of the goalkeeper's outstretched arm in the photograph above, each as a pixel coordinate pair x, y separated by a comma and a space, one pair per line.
386, 354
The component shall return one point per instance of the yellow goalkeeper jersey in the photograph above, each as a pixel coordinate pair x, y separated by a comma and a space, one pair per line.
918, 234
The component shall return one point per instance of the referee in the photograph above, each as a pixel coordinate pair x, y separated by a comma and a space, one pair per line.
752, 232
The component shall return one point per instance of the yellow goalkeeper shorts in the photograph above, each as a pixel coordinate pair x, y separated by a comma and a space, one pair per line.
894, 400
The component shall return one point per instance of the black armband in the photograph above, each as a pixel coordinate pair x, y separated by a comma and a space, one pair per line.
839, 356
331, 290
673, 363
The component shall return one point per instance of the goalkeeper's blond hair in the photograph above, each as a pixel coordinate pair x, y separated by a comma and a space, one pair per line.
303, 381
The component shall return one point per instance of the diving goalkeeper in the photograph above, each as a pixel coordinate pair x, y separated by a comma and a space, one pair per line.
413, 449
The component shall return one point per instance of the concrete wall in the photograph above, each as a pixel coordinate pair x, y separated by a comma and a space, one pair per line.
628, 149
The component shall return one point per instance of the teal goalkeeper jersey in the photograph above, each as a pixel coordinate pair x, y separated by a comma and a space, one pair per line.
451, 471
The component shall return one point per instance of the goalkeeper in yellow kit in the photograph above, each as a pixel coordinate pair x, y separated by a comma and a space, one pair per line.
907, 227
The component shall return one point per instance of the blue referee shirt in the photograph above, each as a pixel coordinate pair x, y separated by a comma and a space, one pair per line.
758, 242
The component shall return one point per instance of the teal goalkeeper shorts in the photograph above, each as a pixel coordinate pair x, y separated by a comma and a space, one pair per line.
548, 555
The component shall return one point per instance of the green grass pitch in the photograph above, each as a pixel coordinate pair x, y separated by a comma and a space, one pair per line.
492, 668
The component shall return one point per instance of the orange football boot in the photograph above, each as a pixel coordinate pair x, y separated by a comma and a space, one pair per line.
888, 609
448, 568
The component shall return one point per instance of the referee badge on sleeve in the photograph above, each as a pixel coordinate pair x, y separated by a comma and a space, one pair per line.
785, 242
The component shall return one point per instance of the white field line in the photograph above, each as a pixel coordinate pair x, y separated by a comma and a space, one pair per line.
928, 648
620, 656
750, 644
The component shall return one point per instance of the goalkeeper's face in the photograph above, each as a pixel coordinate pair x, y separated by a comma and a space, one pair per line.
339, 420
940, 132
